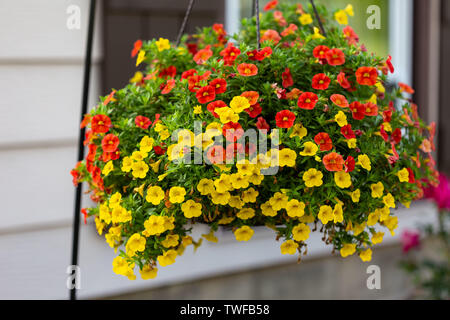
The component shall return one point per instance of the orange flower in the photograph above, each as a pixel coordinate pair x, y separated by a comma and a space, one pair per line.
319, 52
405, 88
271, 35
203, 55
168, 86
287, 78
109, 98
324, 141
247, 69
370, 109
136, 48
110, 143
289, 30
271, 5
333, 162
335, 57
339, 100
307, 100
100, 123
366, 76
206, 94
252, 96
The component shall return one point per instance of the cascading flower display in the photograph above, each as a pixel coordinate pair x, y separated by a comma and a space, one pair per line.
174, 147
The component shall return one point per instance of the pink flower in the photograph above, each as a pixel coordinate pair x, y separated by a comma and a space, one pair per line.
410, 240
441, 193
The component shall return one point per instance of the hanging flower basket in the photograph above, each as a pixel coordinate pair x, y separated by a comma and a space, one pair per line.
300, 136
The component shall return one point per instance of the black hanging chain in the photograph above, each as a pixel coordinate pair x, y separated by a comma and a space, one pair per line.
183, 24
322, 29
258, 28
84, 104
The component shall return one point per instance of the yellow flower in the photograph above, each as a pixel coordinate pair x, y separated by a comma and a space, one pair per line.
295, 208
301, 232
250, 195
403, 175
349, 10
287, 157
313, 178
154, 195
139, 155
387, 126
109, 166
307, 218
159, 126
355, 195
170, 241
140, 57
338, 213
115, 199
210, 236
167, 258
364, 161
104, 214
127, 163
162, 44
99, 225
239, 181
186, 241
175, 151
267, 210
351, 143
347, 250
309, 149
176, 194
244, 233
136, 243
168, 223
186, 138
223, 183
236, 202
148, 272
256, 177
366, 255
389, 200
245, 167
373, 217
140, 169
137, 77
391, 223
380, 87
246, 213
162, 176
341, 119
342, 179
220, 197
155, 166
298, 130
317, 34
239, 104
154, 225
121, 266
191, 209
146, 144
359, 228
377, 190
373, 99
325, 214
227, 115
377, 237
289, 247
205, 186
278, 201
305, 19
164, 134
198, 110
225, 220
341, 17
214, 129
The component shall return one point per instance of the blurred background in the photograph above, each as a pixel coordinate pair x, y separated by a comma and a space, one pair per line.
41, 70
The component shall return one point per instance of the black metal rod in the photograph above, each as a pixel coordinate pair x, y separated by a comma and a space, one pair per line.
258, 29
322, 29
84, 107
183, 25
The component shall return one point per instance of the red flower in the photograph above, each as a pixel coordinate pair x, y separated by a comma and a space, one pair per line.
347, 132
136, 48
293, 94
366, 76
358, 110
333, 162
106, 156
110, 142
254, 55
350, 35
412, 178
262, 124
342, 80
189, 73
405, 88
396, 136
214, 105
271, 35
166, 88
230, 53
254, 110
370, 109
251, 96
383, 133
271, 5
86, 120
203, 55
319, 52
265, 52
192, 48
387, 116
220, 85
335, 57
232, 131
247, 69
339, 100
287, 78
324, 141
320, 81
389, 64
234, 149
100, 123
206, 94
278, 17
169, 72
285, 119
92, 152
159, 150
216, 155
109, 98
85, 214
142, 122
307, 100
289, 30
349, 164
